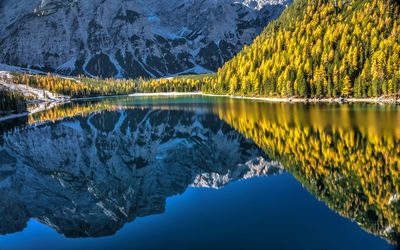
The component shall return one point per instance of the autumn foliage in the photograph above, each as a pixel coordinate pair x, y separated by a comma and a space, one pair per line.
320, 48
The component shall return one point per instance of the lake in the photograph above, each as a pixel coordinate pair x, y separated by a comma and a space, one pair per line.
200, 172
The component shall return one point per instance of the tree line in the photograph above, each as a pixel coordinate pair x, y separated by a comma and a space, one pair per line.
320, 48
316, 49
11, 102
83, 86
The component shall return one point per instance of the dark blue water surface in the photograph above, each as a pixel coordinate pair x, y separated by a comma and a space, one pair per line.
273, 212
201, 173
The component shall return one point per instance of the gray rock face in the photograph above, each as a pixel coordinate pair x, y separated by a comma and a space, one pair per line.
88, 176
129, 38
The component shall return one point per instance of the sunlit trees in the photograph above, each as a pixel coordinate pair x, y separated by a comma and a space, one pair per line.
90, 87
321, 48
346, 89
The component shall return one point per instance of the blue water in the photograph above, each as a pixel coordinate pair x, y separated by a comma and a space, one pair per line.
271, 212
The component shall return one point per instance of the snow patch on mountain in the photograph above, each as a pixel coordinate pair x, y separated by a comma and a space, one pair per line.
129, 38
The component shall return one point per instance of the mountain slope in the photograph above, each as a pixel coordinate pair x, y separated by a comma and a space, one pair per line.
320, 48
129, 38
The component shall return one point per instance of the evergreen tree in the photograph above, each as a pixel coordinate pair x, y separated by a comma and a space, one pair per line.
346, 89
322, 48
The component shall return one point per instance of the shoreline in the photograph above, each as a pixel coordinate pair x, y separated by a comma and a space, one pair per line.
268, 99
47, 104
44, 105
167, 94
138, 95
14, 116
43, 99
313, 100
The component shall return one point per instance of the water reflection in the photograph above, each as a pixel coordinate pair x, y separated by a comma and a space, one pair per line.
346, 155
87, 176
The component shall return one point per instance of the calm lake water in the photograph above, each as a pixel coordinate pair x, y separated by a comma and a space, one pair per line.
196, 172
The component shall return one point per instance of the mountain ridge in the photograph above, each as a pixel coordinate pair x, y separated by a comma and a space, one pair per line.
129, 38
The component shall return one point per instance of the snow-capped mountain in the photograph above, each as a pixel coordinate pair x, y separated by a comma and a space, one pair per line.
129, 38
260, 4
88, 176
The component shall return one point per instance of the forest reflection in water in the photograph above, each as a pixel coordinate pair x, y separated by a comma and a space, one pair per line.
347, 155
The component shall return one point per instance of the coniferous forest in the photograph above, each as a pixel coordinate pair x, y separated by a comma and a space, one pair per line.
82, 86
312, 150
320, 48
11, 102
315, 49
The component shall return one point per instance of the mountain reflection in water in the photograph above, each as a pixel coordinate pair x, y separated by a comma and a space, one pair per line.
88, 176
147, 149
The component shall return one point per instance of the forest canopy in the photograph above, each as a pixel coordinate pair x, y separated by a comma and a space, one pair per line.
320, 48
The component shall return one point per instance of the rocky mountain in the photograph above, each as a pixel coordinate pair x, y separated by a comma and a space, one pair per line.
130, 38
88, 176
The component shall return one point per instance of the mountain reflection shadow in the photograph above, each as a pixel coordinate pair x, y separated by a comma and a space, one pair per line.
86, 176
